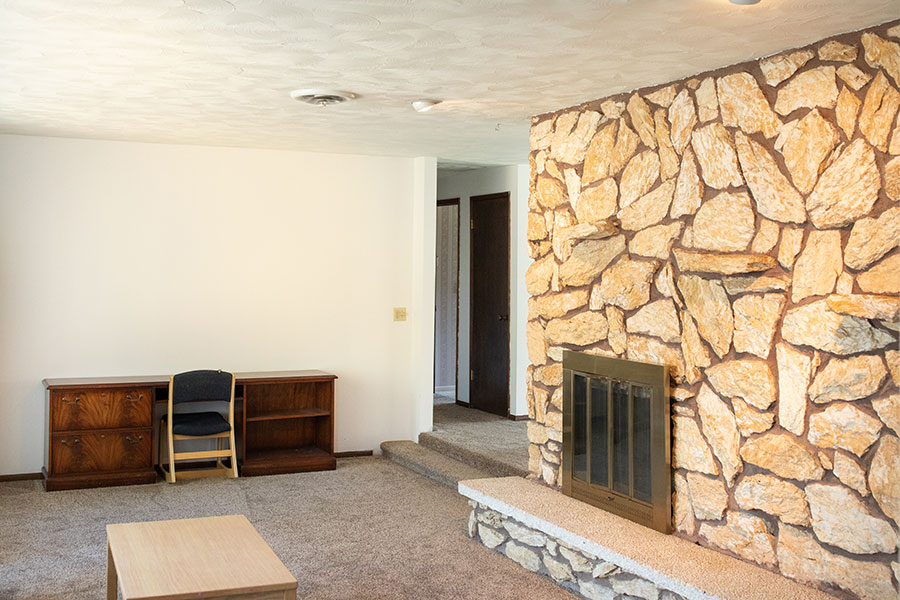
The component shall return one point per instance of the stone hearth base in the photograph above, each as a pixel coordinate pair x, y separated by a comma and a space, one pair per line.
600, 556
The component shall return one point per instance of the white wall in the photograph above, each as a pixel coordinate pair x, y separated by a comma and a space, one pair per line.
121, 258
464, 185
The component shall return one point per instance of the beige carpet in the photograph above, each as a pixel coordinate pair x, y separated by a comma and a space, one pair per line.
369, 530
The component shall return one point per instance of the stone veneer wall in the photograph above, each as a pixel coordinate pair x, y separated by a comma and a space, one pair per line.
742, 227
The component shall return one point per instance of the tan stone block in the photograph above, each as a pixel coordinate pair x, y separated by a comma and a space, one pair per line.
707, 100
553, 170
745, 535
894, 146
683, 117
583, 329
825, 460
665, 283
783, 455
708, 305
536, 229
540, 135
721, 431
818, 266
537, 277
747, 378
638, 177
663, 96
642, 120
668, 159
569, 147
809, 89
755, 318
537, 345
688, 189
853, 77
847, 189
743, 105
817, 326
550, 375
884, 477
647, 349
836, 51
802, 558
655, 242
725, 264
878, 110
888, 410
750, 420
559, 570
843, 425
807, 148
695, 353
766, 237
871, 238
689, 449
741, 284
534, 458
848, 471
725, 223
892, 357
681, 394
780, 67
627, 283
537, 433
573, 185
708, 496
681, 505
715, 152
794, 370
557, 305
892, 178
846, 110
612, 109
599, 153
556, 399
841, 519
550, 192
773, 496
791, 243
617, 337
867, 306
882, 53
597, 202
844, 284
588, 260
658, 319
562, 243
553, 420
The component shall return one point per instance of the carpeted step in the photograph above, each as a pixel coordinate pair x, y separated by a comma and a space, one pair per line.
429, 463
483, 462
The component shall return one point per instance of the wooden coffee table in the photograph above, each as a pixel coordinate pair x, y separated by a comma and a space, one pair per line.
211, 557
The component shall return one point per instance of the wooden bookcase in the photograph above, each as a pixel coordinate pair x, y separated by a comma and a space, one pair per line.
100, 431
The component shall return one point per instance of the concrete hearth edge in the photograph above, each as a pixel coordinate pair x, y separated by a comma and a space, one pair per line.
670, 562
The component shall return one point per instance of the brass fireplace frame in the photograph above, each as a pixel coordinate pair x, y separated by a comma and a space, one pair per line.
657, 514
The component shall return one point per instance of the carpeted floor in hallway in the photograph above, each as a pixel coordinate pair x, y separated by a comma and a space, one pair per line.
482, 433
369, 530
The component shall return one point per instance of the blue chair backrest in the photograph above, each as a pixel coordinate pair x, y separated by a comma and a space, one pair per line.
208, 385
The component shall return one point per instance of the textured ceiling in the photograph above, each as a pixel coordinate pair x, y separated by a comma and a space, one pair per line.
219, 72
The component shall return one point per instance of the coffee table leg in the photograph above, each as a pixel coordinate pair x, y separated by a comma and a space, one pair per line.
112, 582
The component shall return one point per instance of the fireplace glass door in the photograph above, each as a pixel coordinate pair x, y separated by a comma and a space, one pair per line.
616, 436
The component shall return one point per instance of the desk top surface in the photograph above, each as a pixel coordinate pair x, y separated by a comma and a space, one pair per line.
163, 380
190, 558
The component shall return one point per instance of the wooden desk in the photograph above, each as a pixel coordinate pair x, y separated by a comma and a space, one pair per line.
211, 557
100, 430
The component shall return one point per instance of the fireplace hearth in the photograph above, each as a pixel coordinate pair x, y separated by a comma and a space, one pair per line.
616, 437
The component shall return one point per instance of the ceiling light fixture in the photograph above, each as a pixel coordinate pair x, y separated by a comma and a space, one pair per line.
424, 105
745, 2
322, 97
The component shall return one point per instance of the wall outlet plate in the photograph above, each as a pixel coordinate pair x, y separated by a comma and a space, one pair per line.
399, 313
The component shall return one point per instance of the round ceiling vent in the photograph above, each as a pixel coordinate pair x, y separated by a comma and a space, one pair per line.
322, 97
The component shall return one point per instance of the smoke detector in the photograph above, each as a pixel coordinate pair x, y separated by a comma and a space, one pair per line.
322, 97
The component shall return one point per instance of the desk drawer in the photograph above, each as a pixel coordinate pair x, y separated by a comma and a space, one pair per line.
101, 451
74, 410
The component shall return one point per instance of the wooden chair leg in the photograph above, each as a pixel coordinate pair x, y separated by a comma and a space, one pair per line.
159, 448
219, 464
232, 447
170, 474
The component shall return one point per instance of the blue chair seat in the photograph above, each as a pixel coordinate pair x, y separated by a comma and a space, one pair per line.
199, 423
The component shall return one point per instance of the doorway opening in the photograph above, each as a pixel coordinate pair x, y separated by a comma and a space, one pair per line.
446, 302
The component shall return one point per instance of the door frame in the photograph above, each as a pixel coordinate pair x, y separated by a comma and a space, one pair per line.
451, 202
487, 198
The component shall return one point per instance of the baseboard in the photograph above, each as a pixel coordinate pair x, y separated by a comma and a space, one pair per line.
20, 477
517, 417
353, 453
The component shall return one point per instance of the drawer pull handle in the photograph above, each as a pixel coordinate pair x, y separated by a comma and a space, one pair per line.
131, 398
76, 400
75, 441
134, 440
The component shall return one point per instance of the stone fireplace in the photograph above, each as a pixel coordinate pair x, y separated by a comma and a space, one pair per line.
740, 227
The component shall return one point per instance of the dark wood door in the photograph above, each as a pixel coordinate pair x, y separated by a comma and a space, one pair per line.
489, 314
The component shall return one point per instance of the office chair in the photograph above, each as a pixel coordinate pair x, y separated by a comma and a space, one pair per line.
199, 386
